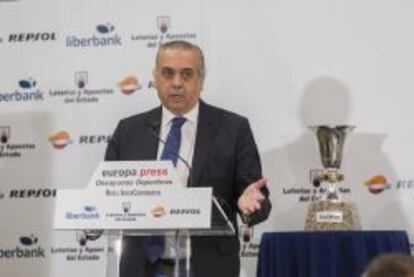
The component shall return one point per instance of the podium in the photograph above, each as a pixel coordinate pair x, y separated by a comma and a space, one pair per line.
127, 199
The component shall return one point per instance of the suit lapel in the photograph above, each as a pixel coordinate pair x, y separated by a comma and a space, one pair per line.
206, 132
152, 134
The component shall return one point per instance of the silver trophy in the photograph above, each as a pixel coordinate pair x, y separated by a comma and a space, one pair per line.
331, 213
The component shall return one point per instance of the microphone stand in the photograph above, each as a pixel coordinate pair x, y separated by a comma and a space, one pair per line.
153, 128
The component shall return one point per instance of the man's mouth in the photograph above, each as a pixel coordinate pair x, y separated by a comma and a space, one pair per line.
176, 97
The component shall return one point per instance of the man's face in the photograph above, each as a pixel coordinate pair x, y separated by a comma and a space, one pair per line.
177, 79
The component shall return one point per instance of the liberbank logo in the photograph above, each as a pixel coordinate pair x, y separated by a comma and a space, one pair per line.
26, 92
105, 36
27, 248
89, 213
12, 150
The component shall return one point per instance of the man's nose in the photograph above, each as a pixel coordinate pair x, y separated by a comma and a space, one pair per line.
177, 81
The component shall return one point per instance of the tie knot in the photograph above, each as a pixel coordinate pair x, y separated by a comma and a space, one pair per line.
177, 122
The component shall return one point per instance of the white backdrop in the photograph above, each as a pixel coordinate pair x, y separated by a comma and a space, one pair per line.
283, 64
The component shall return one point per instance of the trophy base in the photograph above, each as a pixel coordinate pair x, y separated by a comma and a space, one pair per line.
331, 216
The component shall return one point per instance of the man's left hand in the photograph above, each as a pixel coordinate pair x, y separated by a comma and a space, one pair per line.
251, 199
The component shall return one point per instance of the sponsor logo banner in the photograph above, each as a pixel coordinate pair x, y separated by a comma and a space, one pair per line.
27, 248
249, 244
153, 189
32, 193
163, 31
82, 92
9, 149
27, 92
105, 36
32, 37
62, 139
77, 250
379, 184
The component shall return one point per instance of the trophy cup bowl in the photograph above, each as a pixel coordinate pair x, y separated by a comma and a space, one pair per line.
331, 143
331, 213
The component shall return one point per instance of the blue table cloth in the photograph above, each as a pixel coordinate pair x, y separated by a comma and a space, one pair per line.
325, 254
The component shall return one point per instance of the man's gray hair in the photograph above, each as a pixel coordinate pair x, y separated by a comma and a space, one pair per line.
391, 265
184, 45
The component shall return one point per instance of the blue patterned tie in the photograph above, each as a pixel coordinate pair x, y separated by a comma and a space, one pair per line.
154, 245
172, 145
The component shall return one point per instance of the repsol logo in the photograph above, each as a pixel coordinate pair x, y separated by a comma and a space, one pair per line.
32, 193
32, 37
119, 173
94, 139
185, 211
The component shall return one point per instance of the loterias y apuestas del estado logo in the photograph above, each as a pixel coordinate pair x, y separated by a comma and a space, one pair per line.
10, 147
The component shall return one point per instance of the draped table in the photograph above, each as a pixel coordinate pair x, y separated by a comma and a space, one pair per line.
325, 254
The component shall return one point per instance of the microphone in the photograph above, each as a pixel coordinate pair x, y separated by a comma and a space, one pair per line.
153, 128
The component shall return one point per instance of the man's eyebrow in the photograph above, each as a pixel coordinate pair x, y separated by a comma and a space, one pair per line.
184, 68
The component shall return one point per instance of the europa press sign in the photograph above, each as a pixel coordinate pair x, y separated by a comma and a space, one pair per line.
159, 200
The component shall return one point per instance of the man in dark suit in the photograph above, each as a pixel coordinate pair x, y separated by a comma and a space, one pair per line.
218, 145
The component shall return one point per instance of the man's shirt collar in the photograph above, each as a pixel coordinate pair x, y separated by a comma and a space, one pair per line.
191, 115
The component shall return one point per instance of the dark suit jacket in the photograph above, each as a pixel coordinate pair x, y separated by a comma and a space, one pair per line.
225, 158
